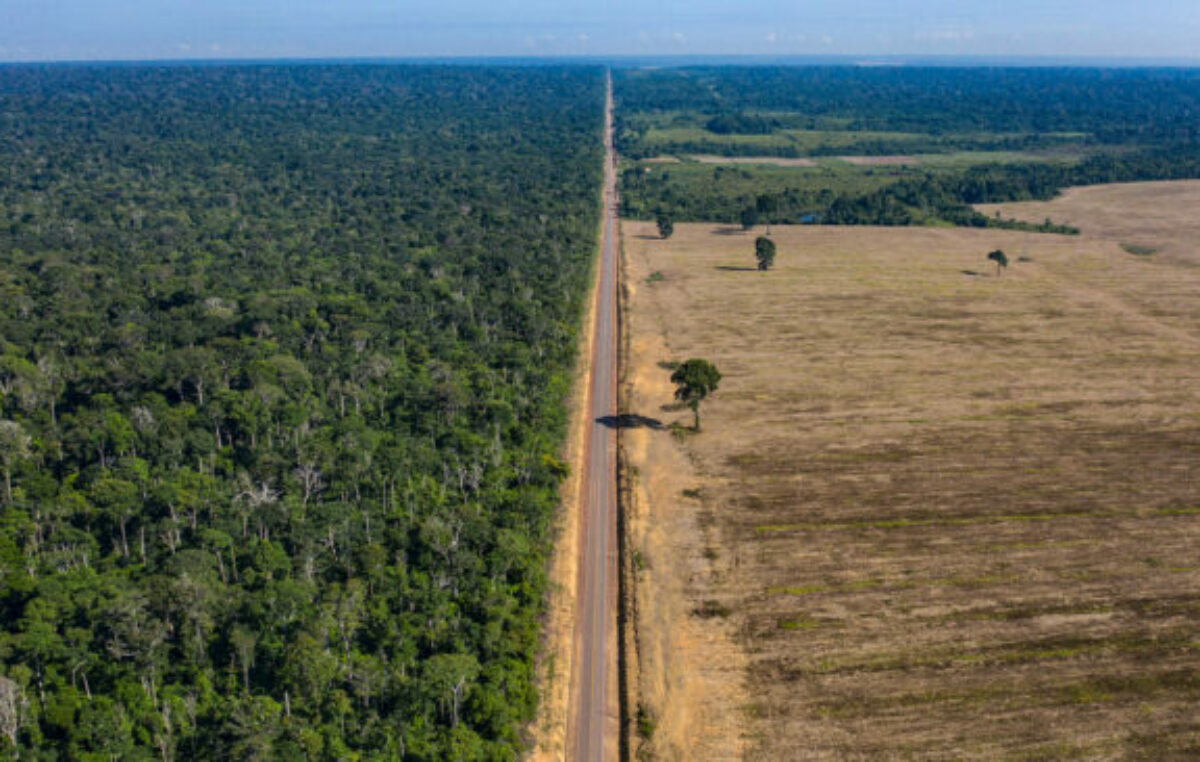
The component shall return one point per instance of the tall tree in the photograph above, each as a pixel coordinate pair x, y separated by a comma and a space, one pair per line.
764, 252
14, 446
1000, 258
694, 380
665, 226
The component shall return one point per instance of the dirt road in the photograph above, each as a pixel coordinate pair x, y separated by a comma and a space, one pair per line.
592, 719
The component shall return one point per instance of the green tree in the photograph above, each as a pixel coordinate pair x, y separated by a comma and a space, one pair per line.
14, 446
1000, 258
694, 380
764, 252
448, 678
665, 226
749, 217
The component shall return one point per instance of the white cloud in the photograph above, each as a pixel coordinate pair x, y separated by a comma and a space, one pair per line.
677, 36
215, 47
582, 37
826, 39
772, 37
184, 47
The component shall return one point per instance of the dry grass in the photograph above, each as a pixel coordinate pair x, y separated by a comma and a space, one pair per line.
952, 515
1162, 215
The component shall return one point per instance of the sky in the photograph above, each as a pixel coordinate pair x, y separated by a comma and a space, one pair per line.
57, 30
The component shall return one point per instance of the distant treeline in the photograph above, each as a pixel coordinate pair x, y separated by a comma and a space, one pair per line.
1116, 106
1135, 124
933, 197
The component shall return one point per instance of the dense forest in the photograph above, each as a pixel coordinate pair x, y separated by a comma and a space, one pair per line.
1075, 127
283, 355
1110, 106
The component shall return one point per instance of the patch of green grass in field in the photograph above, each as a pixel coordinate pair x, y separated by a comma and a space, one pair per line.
963, 159
671, 136
1138, 250
812, 140
751, 180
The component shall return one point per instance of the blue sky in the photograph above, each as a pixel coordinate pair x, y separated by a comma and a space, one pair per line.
140, 29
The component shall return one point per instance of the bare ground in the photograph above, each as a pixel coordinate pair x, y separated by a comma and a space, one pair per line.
933, 513
690, 674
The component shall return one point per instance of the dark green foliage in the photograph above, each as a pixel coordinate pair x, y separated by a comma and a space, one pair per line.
749, 217
1089, 125
646, 722
694, 380
666, 228
741, 124
959, 108
283, 356
764, 252
1000, 258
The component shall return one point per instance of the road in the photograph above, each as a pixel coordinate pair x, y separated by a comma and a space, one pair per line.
592, 718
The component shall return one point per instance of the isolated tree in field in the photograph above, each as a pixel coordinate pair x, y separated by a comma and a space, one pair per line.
764, 252
694, 380
1000, 258
665, 227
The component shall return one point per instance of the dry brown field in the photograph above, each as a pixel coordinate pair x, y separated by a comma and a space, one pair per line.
933, 513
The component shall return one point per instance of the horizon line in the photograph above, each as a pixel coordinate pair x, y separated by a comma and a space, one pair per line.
995, 60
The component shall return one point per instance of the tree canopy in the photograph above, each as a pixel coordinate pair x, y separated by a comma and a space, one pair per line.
764, 252
694, 380
283, 359
666, 228
1000, 258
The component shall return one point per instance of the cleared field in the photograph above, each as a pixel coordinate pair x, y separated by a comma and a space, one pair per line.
777, 161
933, 513
879, 161
1161, 216
686, 135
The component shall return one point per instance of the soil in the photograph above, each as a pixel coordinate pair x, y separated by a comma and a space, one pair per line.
935, 510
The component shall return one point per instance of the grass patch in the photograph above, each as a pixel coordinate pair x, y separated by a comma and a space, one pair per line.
646, 722
1138, 250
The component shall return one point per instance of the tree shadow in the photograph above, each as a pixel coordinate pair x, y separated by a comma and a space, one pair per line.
974, 274
730, 231
732, 269
647, 237
630, 421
